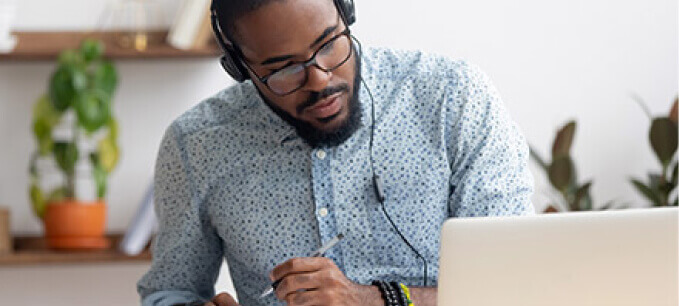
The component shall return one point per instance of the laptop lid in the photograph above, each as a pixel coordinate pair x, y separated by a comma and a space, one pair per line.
624, 257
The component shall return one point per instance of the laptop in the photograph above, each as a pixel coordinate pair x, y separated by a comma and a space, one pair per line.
623, 257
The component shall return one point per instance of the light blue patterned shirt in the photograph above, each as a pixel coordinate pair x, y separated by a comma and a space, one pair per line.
234, 181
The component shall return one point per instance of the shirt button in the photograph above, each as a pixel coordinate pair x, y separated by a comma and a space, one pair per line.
320, 154
323, 212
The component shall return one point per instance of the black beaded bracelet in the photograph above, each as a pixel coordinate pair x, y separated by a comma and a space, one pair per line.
391, 293
403, 300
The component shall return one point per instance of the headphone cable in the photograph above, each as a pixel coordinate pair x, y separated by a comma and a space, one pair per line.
376, 178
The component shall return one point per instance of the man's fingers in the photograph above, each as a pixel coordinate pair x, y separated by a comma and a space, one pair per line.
299, 265
224, 299
302, 298
298, 281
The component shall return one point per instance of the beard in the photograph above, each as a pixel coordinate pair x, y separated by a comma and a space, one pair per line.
315, 137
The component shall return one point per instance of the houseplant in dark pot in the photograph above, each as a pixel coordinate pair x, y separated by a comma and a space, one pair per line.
563, 176
74, 128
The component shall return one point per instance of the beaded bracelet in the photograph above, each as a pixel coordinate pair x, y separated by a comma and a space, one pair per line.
401, 295
406, 292
390, 293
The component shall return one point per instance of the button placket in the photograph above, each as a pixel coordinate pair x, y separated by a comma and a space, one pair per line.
323, 195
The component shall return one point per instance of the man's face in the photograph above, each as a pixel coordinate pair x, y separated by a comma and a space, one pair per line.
290, 31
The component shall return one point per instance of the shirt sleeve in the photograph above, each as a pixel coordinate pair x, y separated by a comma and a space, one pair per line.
488, 153
187, 252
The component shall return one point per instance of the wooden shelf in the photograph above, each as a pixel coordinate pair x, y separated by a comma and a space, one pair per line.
36, 46
33, 251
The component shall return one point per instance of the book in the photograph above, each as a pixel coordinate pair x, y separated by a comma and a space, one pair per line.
188, 24
141, 229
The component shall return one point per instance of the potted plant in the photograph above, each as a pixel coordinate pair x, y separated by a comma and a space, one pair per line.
663, 138
563, 176
79, 98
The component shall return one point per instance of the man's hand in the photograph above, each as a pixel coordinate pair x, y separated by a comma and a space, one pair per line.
318, 281
222, 299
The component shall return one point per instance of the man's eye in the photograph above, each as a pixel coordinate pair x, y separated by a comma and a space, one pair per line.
290, 70
328, 47
277, 68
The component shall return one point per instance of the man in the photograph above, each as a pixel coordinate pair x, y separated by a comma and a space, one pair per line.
268, 170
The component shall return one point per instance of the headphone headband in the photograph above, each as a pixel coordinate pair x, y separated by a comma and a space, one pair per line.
231, 61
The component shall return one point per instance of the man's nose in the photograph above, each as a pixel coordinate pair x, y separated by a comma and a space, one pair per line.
317, 79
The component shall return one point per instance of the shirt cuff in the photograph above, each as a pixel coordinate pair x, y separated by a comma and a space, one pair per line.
167, 298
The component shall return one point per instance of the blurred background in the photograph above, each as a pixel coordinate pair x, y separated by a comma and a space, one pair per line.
552, 61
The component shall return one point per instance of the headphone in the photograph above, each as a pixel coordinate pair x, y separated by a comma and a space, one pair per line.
232, 61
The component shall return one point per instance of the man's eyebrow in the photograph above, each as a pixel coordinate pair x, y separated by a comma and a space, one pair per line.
282, 58
276, 59
324, 35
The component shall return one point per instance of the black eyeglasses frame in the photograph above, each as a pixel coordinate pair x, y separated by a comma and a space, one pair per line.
306, 64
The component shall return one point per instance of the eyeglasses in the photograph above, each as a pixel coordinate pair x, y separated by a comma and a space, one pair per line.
330, 56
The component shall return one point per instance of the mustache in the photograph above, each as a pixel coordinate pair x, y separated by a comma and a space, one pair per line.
315, 97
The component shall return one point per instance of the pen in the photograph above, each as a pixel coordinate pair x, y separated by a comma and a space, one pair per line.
317, 253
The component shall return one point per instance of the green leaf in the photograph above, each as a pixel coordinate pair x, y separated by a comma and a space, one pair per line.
665, 189
70, 58
580, 195
560, 172
93, 110
663, 136
94, 158
534, 154
37, 200
105, 78
44, 110
586, 202
654, 180
109, 154
66, 83
43, 133
91, 49
33, 166
112, 128
99, 175
45, 117
647, 192
100, 180
66, 155
564, 140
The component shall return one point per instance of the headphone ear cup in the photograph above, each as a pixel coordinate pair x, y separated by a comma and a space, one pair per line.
233, 68
347, 9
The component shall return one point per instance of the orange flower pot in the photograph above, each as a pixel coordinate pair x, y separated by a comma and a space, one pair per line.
73, 225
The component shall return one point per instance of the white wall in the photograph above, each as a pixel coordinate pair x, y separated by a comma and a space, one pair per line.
555, 60
551, 60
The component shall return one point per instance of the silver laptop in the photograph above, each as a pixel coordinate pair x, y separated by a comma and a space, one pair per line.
623, 257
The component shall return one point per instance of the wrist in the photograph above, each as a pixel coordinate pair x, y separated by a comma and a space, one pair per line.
372, 295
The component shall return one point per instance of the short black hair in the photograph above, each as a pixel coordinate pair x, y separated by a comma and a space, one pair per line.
228, 11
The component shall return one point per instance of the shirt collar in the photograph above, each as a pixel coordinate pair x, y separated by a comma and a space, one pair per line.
273, 124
